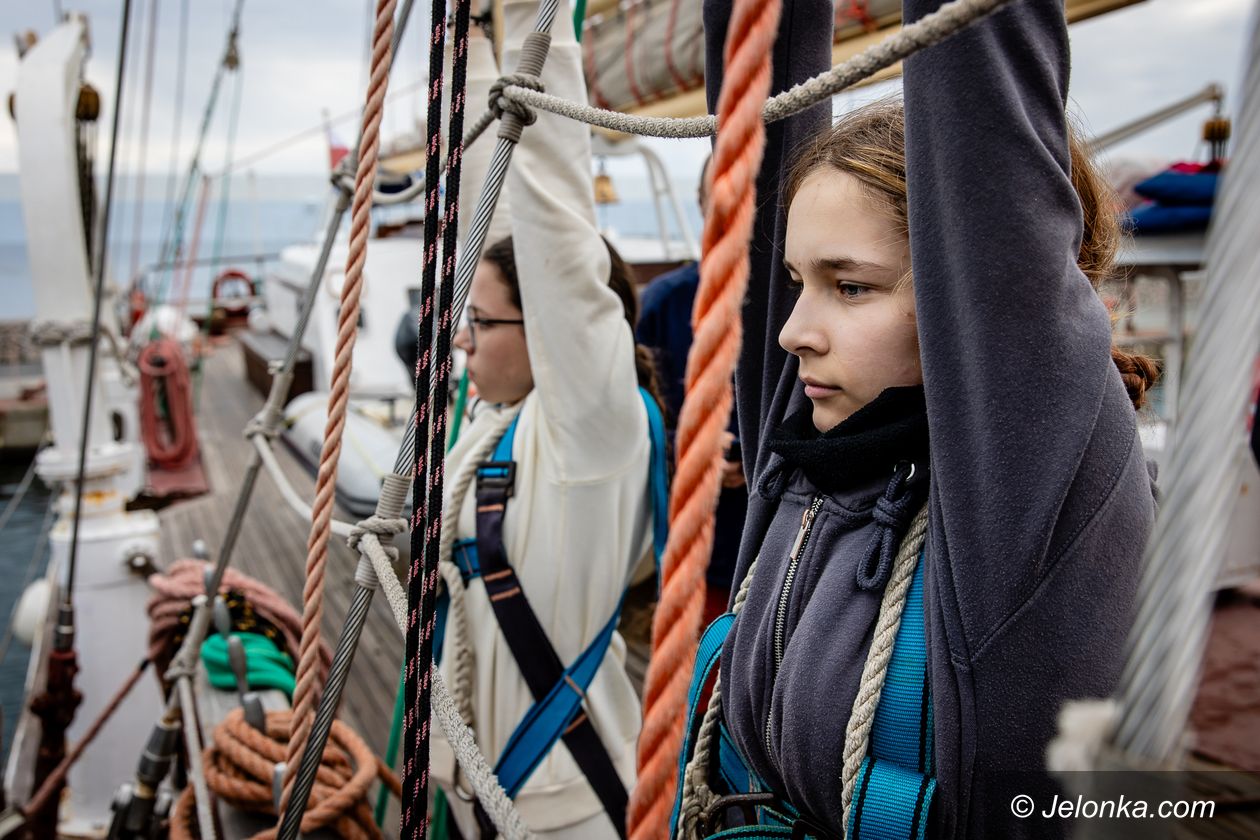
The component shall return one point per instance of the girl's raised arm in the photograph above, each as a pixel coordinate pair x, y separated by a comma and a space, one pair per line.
1030, 423
581, 348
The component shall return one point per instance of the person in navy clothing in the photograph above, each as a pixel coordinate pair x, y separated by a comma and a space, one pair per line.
665, 328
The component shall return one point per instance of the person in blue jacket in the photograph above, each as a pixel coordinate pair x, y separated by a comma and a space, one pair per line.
924, 333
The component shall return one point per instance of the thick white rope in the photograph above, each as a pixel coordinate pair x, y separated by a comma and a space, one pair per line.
857, 734
698, 797
457, 646
463, 742
929, 30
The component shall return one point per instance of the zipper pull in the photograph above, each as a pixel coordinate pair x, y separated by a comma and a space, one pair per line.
807, 519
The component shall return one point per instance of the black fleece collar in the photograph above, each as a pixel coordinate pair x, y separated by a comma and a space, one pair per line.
889, 430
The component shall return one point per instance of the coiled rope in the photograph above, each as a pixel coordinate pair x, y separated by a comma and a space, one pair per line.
171, 605
433, 372
306, 694
706, 409
170, 443
238, 768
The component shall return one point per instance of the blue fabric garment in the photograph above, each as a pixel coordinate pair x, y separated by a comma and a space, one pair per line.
665, 329
1179, 188
1164, 218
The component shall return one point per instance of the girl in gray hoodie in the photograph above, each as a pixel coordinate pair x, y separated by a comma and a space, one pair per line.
923, 330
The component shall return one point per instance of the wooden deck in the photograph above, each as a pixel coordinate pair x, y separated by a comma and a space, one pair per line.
272, 543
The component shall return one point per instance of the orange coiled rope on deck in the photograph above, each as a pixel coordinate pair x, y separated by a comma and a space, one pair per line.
706, 409
306, 694
170, 443
238, 765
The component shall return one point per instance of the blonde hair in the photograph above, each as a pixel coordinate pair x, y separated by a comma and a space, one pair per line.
870, 145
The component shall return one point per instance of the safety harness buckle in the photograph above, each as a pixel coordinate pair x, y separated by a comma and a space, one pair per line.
803, 828
497, 475
712, 819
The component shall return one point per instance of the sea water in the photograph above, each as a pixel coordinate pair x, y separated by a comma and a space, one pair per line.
23, 558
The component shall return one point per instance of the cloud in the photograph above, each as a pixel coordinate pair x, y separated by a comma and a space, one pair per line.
300, 57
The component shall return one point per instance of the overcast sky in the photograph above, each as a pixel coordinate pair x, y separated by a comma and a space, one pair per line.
300, 57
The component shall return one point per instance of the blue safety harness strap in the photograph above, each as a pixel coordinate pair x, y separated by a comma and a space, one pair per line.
895, 784
708, 654
557, 711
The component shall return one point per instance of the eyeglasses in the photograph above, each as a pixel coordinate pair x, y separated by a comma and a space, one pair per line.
476, 322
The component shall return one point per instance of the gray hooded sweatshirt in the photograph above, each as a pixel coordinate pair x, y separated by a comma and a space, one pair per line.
1039, 498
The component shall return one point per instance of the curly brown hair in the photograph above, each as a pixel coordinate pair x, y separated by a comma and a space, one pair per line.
870, 144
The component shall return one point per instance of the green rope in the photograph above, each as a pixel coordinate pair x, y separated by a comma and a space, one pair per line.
391, 750
579, 17
461, 400
437, 829
266, 666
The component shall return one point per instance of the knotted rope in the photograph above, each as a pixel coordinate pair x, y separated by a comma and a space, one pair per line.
706, 409
306, 694
501, 104
450, 717
238, 767
697, 795
925, 32
171, 605
433, 373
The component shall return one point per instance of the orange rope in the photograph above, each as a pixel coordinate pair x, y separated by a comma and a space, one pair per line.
238, 765
306, 693
706, 409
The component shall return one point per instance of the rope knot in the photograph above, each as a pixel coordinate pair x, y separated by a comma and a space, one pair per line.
501, 103
383, 528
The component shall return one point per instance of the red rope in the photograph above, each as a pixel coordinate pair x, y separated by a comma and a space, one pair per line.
592, 71
634, 87
171, 441
706, 409
670, 26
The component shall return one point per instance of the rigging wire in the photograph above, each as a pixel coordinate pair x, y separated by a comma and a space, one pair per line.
65, 631
176, 124
228, 62
38, 558
314, 130
131, 148
138, 218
